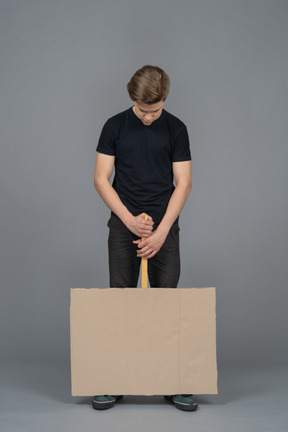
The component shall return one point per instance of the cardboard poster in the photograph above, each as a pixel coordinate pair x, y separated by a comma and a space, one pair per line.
135, 341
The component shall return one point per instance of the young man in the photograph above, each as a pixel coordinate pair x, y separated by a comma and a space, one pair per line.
149, 150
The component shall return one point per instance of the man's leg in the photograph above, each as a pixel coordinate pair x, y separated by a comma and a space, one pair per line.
124, 269
164, 267
164, 272
124, 265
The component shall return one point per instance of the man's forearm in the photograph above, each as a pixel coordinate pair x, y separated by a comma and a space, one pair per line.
150, 246
112, 200
175, 206
140, 225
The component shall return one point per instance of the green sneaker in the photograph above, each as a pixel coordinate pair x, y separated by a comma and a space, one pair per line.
184, 402
104, 402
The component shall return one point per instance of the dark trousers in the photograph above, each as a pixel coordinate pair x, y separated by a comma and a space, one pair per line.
124, 265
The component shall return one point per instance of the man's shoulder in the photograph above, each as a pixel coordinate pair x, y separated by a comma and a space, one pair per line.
175, 123
119, 117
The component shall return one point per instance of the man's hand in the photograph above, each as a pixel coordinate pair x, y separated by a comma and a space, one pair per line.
141, 225
151, 245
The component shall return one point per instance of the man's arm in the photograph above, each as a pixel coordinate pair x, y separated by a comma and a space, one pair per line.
103, 172
182, 175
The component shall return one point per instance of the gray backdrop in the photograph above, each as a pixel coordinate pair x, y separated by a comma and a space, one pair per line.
64, 69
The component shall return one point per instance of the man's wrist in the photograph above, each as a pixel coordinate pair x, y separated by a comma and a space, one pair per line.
164, 228
127, 218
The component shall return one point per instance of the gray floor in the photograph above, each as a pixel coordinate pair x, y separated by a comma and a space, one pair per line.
36, 397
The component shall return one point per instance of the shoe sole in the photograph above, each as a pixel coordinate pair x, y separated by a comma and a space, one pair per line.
182, 406
105, 405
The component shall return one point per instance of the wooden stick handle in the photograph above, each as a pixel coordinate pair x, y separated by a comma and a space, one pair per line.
144, 269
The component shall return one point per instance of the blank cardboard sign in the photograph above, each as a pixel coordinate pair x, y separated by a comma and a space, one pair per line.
135, 341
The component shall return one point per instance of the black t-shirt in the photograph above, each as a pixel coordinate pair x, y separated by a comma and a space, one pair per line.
143, 159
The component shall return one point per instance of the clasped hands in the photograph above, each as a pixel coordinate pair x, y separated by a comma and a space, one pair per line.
142, 226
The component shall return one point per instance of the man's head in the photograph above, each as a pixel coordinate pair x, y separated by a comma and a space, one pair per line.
148, 88
149, 85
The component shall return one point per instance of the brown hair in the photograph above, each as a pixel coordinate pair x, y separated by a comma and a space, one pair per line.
149, 85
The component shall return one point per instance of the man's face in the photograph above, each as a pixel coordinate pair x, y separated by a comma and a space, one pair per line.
148, 113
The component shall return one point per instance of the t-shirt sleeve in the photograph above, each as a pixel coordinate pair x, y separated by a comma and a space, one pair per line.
181, 147
106, 143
